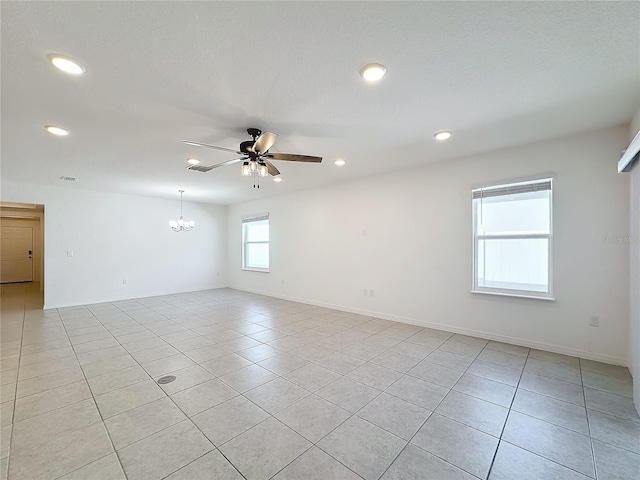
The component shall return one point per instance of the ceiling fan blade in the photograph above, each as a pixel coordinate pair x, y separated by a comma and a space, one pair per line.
290, 157
202, 168
273, 171
264, 142
197, 144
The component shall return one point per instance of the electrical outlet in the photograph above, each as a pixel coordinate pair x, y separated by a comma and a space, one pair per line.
124, 281
69, 253
594, 321
365, 292
364, 233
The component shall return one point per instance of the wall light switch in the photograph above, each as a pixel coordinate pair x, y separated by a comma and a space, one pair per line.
69, 253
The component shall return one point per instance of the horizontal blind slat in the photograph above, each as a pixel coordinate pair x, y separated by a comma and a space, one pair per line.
255, 219
506, 190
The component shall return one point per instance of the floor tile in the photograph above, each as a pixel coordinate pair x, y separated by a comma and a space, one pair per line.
264, 450
312, 377
229, 419
512, 462
68, 453
123, 399
314, 464
27, 407
617, 386
418, 392
283, 363
556, 358
276, 395
164, 452
167, 365
551, 410
567, 392
497, 373
339, 363
614, 371
5, 440
108, 365
395, 361
211, 466
106, 468
156, 353
563, 446
226, 364
186, 378
611, 404
415, 463
484, 389
42, 430
431, 372
363, 351
394, 415
374, 375
203, 396
615, 431
47, 368
460, 445
364, 448
473, 412
449, 360
313, 417
348, 394
554, 370
508, 348
118, 379
460, 348
138, 423
6, 413
248, 377
502, 358
614, 463
203, 354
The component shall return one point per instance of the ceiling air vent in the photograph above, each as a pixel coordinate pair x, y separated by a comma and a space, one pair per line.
68, 179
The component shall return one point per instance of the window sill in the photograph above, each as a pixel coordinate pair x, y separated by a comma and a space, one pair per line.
516, 295
255, 269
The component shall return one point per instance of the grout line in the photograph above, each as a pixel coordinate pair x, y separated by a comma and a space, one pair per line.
586, 412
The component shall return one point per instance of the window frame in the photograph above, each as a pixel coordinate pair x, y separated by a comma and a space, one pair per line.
508, 292
244, 223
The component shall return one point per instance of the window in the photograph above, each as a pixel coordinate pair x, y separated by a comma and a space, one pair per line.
255, 243
512, 239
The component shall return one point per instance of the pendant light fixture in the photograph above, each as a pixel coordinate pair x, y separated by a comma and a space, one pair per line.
181, 224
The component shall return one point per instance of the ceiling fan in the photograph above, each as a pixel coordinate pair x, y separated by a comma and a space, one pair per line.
255, 156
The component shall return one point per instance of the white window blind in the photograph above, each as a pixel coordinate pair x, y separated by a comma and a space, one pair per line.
512, 231
255, 243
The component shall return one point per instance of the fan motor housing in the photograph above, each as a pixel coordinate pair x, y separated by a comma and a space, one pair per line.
247, 147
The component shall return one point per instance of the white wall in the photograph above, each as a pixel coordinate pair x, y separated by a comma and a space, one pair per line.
416, 254
634, 247
115, 236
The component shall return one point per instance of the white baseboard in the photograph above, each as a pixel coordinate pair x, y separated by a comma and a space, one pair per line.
549, 347
130, 297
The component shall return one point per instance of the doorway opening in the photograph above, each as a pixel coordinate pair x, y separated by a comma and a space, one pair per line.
22, 245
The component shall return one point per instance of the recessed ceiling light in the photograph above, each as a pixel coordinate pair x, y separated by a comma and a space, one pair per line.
67, 65
59, 131
277, 179
373, 72
442, 135
193, 161
340, 162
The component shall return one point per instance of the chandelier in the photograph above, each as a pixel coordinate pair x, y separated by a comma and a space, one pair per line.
181, 224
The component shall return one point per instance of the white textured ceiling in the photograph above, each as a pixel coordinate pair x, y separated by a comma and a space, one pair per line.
498, 74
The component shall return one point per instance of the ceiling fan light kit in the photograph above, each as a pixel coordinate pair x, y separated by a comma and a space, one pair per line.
255, 156
182, 224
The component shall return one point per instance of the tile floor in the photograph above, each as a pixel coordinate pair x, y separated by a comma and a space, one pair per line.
267, 388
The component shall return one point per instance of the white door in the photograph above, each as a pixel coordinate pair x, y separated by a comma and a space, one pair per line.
16, 254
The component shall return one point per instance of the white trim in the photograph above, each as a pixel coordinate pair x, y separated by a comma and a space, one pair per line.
513, 293
130, 297
549, 347
255, 269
